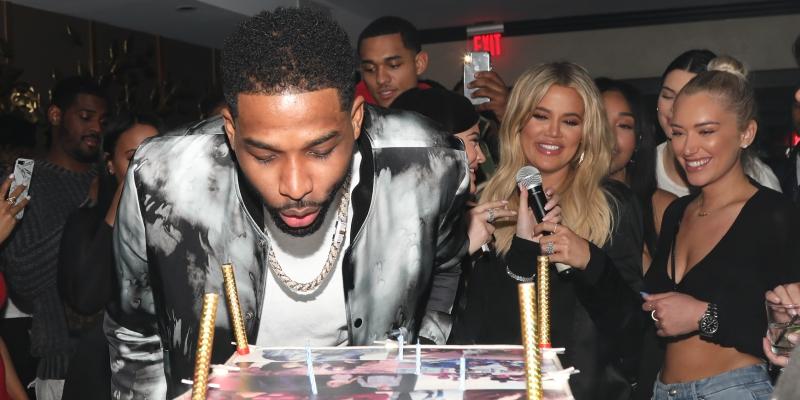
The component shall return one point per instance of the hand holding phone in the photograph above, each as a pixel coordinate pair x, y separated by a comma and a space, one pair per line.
10, 209
23, 171
476, 61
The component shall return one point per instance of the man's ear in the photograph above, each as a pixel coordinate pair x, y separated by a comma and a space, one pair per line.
421, 62
54, 115
357, 115
230, 127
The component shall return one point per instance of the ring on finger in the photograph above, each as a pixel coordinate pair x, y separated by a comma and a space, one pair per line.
548, 248
653, 315
11, 199
555, 228
491, 216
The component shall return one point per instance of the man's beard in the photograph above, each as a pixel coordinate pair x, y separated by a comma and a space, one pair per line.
323, 211
87, 156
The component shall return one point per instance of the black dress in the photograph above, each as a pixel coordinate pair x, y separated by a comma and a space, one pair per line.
595, 313
86, 283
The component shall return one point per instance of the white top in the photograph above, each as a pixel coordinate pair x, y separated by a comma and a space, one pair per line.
757, 169
664, 181
11, 311
317, 319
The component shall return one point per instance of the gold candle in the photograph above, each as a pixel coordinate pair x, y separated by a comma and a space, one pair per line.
543, 299
205, 342
234, 309
533, 361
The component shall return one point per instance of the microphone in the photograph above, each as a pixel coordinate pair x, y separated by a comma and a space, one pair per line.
531, 179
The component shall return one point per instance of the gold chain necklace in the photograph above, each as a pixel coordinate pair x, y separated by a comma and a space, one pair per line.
336, 246
708, 212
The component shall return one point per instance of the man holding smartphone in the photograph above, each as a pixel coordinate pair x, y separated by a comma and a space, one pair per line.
392, 61
59, 185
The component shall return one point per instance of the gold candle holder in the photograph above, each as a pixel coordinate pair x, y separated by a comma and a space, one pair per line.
533, 361
205, 342
543, 299
235, 309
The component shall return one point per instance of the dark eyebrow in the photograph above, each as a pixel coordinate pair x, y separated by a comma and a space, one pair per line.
316, 142
667, 88
701, 124
392, 58
88, 110
328, 136
259, 145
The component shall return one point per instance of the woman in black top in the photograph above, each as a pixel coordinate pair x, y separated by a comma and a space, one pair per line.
85, 270
720, 249
555, 122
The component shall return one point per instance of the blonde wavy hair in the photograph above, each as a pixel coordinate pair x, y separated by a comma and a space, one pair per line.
585, 207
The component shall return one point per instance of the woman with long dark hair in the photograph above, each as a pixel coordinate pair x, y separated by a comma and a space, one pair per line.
634, 157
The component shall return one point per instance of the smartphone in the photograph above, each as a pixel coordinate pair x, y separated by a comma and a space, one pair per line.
475, 61
23, 170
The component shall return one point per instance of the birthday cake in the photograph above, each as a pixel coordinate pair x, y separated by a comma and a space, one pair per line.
383, 372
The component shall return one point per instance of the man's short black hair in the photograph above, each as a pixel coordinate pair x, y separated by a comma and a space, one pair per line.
289, 50
66, 91
389, 26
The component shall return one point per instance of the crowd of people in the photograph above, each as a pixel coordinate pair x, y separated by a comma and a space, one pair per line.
358, 202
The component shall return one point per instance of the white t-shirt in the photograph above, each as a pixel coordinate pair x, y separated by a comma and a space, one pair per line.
757, 169
320, 318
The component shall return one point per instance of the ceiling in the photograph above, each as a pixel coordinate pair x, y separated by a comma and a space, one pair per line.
209, 21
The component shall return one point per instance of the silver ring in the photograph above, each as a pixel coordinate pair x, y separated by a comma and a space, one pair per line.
548, 249
653, 315
11, 200
491, 217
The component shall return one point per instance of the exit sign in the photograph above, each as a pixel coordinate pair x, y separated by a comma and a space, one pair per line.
490, 42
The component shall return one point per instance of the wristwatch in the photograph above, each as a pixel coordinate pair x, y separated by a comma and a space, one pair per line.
709, 324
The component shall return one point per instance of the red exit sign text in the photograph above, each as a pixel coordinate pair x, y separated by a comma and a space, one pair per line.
488, 42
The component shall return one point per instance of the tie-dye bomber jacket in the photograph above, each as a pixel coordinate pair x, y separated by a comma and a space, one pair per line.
186, 210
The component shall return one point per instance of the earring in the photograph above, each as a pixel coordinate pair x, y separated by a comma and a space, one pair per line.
657, 109
580, 159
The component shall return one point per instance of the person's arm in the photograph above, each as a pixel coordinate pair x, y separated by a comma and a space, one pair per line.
452, 244
134, 347
13, 385
627, 238
9, 211
85, 262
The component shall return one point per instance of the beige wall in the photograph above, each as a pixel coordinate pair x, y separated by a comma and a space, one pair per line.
763, 43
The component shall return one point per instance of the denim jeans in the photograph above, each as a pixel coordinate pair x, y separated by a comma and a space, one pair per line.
748, 383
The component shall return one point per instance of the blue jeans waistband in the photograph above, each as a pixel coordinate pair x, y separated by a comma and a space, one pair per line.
701, 388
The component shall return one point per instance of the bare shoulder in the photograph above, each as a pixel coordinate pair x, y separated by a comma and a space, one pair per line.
661, 200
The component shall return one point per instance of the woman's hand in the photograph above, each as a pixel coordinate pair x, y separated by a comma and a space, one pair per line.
9, 208
563, 245
674, 313
782, 294
775, 359
525, 219
481, 220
